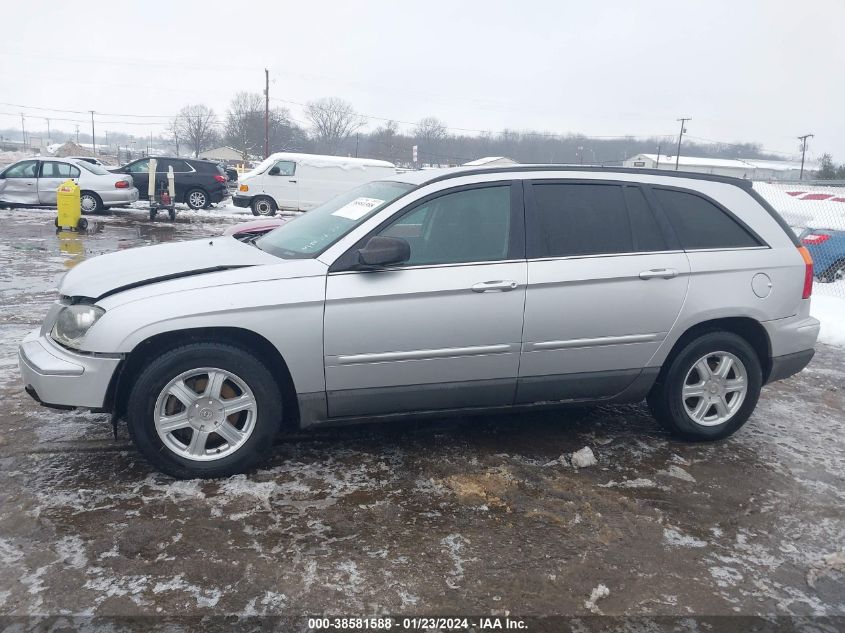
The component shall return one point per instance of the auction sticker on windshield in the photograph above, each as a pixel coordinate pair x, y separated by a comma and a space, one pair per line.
358, 208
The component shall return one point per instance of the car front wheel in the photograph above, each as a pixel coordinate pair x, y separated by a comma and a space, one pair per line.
709, 389
197, 199
204, 410
262, 205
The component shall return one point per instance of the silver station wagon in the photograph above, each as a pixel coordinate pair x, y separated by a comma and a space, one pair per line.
435, 292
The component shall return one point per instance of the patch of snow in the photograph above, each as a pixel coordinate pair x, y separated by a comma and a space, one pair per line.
639, 482
830, 310
583, 458
826, 566
454, 544
677, 473
674, 538
595, 595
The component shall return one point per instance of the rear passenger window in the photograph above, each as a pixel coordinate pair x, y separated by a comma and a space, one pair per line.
581, 219
701, 224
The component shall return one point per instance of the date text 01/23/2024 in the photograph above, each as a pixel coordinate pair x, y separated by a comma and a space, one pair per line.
418, 623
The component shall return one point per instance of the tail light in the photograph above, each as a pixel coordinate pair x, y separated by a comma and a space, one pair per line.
219, 178
815, 238
121, 184
808, 272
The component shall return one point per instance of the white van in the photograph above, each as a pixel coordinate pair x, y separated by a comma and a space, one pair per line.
299, 182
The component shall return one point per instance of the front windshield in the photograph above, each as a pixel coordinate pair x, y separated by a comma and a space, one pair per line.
313, 232
94, 169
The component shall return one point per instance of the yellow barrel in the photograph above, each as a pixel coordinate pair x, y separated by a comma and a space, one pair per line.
70, 210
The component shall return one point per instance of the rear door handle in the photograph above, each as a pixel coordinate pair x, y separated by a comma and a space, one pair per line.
494, 286
659, 273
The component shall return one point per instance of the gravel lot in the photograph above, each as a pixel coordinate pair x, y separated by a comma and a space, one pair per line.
459, 515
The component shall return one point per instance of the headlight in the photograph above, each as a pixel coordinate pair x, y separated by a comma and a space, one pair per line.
73, 323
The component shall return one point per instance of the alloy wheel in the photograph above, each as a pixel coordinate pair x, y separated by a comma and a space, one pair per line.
197, 200
205, 414
714, 388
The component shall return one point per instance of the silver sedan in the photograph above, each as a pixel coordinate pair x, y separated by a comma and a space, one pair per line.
34, 181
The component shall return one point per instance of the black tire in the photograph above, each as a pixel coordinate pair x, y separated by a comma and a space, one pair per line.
96, 201
172, 214
82, 224
834, 273
153, 214
197, 199
263, 206
156, 376
666, 401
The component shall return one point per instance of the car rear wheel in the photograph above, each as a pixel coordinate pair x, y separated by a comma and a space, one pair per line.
709, 389
90, 202
262, 205
204, 410
197, 199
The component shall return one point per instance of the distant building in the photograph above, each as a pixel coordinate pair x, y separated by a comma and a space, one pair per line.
223, 153
748, 168
491, 161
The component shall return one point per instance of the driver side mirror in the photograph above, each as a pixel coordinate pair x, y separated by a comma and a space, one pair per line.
384, 251
274, 171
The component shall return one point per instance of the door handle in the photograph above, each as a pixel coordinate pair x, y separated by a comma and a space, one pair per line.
659, 273
494, 286
292, 180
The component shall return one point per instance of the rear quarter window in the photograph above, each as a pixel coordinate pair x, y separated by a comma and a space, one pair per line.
700, 224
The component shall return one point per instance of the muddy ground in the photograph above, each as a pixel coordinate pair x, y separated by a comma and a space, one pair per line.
462, 515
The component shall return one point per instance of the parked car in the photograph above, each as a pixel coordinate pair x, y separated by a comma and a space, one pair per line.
34, 181
299, 182
199, 183
252, 230
827, 248
431, 292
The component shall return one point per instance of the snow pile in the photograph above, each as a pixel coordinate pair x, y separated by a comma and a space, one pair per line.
583, 458
830, 311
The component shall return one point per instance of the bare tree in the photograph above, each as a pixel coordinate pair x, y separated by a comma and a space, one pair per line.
430, 134
333, 121
387, 141
196, 125
244, 127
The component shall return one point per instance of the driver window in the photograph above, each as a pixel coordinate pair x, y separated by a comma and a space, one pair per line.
141, 167
286, 167
465, 226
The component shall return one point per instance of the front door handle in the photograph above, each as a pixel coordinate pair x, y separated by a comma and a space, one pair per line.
494, 286
292, 180
659, 273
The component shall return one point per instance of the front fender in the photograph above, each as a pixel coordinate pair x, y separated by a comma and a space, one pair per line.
286, 312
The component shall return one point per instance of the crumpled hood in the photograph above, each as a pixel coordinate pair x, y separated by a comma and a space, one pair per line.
135, 267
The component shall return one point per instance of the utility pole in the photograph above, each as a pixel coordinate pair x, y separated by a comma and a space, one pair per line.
23, 131
49, 138
357, 138
77, 135
93, 137
266, 113
683, 121
657, 166
803, 140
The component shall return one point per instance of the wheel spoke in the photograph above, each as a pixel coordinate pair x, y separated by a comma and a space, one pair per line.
236, 405
700, 409
229, 433
693, 391
704, 371
183, 393
721, 406
197, 445
724, 368
170, 423
215, 384
734, 384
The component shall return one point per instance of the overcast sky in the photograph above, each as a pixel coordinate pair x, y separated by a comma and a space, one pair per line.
763, 71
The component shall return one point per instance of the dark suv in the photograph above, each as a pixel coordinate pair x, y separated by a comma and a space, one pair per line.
199, 183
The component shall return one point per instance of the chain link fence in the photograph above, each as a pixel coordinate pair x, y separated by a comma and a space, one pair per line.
816, 212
